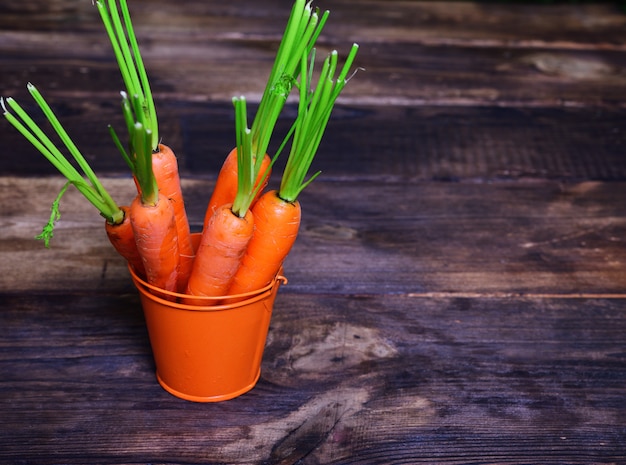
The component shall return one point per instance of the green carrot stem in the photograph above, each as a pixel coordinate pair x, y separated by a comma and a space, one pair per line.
120, 147
90, 188
120, 54
129, 117
314, 111
139, 158
82, 163
149, 109
41, 142
272, 161
137, 102
142, 139
37, 138
125, 61
245, 160
123, 40
139, 155
303, 28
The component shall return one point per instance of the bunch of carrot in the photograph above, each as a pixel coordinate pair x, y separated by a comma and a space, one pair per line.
247, 231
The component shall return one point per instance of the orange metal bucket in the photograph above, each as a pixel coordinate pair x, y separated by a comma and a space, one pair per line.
212, 352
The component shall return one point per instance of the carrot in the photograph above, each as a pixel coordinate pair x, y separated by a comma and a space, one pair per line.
278, 213
276, 224
157, 215
226, 185
152, 219
230, 228
116, 224
303, 28
152, 215
166, 175
165, 170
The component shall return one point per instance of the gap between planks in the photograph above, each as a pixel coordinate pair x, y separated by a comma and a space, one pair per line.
504, 295
518, 44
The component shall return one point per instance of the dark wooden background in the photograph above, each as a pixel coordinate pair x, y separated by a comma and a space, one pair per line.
456, 294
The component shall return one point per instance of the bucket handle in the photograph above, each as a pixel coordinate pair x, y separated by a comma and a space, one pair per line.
177, 295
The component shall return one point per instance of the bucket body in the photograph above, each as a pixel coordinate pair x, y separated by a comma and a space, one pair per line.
212, 352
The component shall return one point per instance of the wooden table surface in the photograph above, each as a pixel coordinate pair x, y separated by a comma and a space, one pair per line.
457, 294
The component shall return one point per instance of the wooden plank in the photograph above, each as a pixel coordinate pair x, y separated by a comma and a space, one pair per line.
481, 24
370, 142
361, 238
456, 53
404, 73
379, 378
417, 97
475, 24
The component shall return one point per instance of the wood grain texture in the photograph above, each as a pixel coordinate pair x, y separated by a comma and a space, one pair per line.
447, 91
508, 237
379, 379
397, 143
411, 52
457, 291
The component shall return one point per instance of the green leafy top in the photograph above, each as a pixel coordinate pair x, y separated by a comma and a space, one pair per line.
137, 102
87, 182
302, 31
314, 110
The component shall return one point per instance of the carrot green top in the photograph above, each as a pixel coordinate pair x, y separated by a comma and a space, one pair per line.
303, 28
302, 31
137, 102
87, 183
314, 110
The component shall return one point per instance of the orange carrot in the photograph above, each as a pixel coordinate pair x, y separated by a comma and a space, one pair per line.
166, 175
229, 229
225, 188
152, 215
165, 169
122, 238
219, 254
154, 228
276, 224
